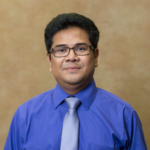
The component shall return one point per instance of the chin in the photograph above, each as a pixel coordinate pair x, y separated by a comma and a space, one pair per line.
73, 81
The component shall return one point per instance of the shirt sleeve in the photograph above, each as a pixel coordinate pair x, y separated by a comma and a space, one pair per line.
135, 133
14, 139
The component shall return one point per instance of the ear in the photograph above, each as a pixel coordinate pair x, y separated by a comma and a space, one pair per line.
96, 53
49, 61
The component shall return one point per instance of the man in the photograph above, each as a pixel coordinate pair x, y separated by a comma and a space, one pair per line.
75, 115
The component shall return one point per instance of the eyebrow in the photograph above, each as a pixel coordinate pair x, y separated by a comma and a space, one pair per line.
60, 45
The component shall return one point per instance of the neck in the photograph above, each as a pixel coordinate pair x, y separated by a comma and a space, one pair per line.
74, 89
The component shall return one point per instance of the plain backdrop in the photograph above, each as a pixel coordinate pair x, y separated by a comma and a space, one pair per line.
124, 58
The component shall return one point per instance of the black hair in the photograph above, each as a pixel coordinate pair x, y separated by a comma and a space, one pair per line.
64, 21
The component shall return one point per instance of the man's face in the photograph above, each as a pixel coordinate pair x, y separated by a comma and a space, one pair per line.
72, 70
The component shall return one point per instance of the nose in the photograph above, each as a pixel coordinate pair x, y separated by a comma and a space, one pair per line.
72, 56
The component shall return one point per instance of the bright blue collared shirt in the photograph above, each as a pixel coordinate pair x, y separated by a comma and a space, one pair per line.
106, 122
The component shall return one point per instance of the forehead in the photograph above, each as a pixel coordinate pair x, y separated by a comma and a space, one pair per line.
70, 37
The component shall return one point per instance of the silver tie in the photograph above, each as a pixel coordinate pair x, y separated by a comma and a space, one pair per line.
70, 131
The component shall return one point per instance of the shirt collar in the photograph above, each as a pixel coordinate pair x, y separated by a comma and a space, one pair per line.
86, 96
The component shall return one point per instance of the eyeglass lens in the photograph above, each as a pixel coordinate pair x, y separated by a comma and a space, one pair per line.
64, 51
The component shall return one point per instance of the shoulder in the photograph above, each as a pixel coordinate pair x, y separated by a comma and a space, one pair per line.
121, 116
113, 108
108, 97
35, 104
112, 103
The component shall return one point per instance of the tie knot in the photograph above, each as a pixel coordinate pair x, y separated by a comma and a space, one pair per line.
72, 102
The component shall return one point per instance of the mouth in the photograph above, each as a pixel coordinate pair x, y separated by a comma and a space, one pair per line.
72, 68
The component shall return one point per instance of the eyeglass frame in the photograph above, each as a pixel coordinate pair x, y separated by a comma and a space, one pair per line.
90, 48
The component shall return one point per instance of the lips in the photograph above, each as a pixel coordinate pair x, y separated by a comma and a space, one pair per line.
72, 68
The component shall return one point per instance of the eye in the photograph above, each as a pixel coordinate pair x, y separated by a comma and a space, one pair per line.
61, 50
81, 48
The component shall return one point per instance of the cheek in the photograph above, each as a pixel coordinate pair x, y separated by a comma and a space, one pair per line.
89, 65
89, 62
55, 65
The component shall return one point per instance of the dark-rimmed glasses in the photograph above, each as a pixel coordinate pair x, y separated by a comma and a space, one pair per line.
63, 51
